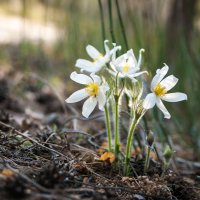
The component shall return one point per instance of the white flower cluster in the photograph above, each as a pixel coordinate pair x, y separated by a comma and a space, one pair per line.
124, 66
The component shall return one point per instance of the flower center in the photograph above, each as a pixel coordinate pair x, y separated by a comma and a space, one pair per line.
92, 89
160, 90
98, 57
126, 68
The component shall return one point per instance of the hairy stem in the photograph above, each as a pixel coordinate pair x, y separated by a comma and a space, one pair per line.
129, 144
146, 166
108, 128
117, 140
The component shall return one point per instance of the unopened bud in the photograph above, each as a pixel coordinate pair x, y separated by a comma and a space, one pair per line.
168, 152
150, 138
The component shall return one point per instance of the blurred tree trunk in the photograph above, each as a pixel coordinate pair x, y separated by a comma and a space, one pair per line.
180, 23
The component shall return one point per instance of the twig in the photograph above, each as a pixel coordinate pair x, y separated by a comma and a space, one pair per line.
72, 131
32, 140
83, 118
39, 187
124, 188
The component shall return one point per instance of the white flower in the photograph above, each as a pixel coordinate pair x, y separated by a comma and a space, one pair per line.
159, 88
94, 89
99, 60
126, 65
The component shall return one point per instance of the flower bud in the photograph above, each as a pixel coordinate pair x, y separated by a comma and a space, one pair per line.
168, 152
150, 138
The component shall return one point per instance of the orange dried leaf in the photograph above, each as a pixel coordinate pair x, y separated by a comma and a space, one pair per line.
7, 172
108, 157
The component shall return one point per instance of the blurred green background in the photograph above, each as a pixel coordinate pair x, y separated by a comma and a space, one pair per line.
47, 36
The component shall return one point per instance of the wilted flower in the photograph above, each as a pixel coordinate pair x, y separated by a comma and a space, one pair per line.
99, 60
159, 88
126, 65
94, 89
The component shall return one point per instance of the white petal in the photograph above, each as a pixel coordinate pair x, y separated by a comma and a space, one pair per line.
77, 96
174, 97
89, 106
96, 78
137, 74
140, 58
160, 73
113, 52
101, 99
169, 82
80, 78
105, 87
149, 101
92, 52
131, 58
86, 65
120, 60
106, 47
161, 106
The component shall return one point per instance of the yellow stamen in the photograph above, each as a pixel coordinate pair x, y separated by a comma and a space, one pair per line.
126, 68
92, 89
160, 90
98, 57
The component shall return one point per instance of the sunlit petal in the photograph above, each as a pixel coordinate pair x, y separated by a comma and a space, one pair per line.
160, 73
174, 97
77, 96
140, 58
169, 82
80, 78
101, 99
149, 101
138, 74
131, 58
85, 65
92, 52
89, 106
161, 106
96, 78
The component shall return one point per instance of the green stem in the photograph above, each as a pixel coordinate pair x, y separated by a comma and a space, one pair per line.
111, 21
102, 22
108, 128
129, 144
117, 140
146, 166
121, 24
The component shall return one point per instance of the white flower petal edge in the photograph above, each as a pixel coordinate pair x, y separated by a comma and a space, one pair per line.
149, 101
174, 97
169, 82
80, 78
99, 60
92, 51
85, 65
126, 65
95, 89
101, 99
89, 106
161, 106
77, 96
159, 87
160, 73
